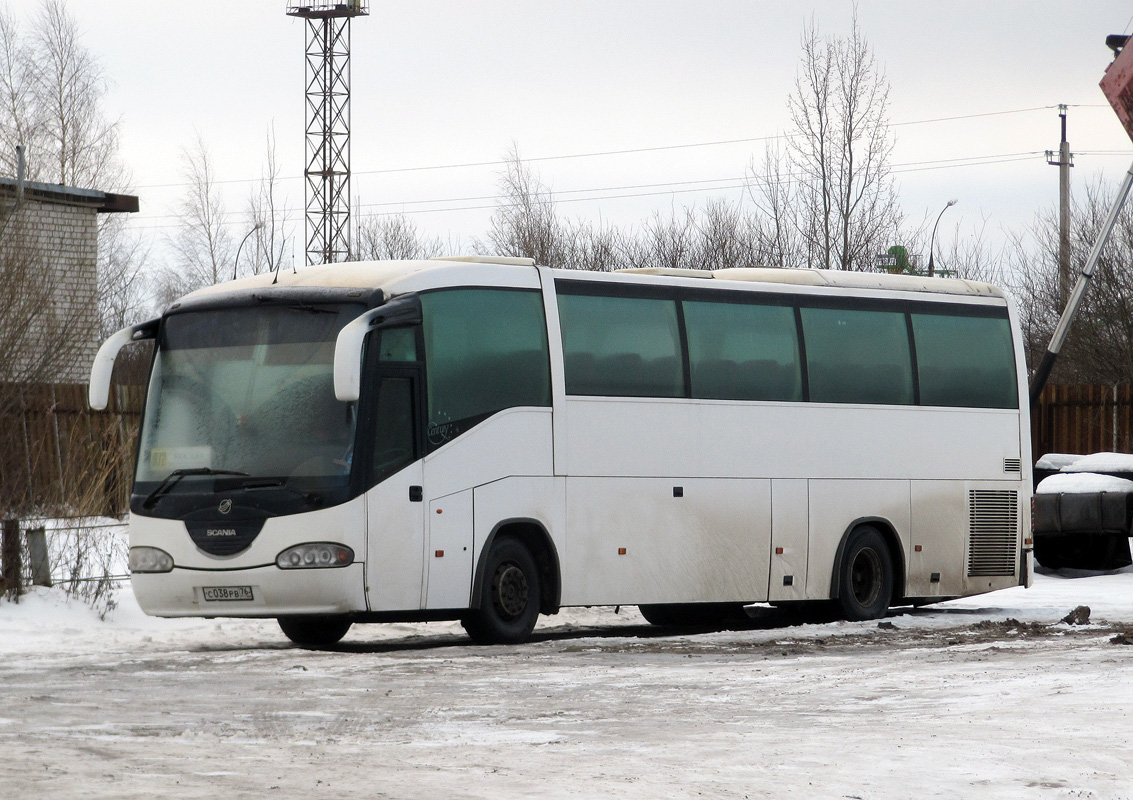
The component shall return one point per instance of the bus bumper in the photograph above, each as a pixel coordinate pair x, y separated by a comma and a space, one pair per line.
256, 592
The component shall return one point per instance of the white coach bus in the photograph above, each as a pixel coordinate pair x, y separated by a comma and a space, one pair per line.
486, 440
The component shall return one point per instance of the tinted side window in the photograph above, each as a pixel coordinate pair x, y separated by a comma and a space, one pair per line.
856, 356
393, 443
398, 344
965, 361
621, 346
743, 352
485, 350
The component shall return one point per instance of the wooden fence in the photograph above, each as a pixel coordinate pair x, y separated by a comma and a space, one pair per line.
58, 456
1083, 419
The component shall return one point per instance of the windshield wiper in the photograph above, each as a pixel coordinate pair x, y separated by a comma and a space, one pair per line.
174, 477
311, 498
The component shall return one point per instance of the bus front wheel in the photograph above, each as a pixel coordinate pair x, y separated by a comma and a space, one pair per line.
314, 631
865, 576
509, 596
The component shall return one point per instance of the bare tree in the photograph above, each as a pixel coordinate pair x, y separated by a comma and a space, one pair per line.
269, 218
1099, 347
665, 242
18, 113
81, 144
393, 236
771, 189
717, 235
123, 287
80, 148
845, 202
525, 222
202, 246
599, 248
968, 254
728, 237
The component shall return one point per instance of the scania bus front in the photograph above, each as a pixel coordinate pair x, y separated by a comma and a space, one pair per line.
245, 500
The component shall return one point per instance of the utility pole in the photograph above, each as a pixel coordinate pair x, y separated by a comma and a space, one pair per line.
1117, 86
1064, 163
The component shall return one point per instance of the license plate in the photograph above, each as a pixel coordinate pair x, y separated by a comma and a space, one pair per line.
227, 592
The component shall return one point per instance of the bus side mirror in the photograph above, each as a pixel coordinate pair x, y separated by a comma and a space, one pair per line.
103, 367
348, 356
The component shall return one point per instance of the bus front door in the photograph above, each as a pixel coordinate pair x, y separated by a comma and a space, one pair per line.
395, 511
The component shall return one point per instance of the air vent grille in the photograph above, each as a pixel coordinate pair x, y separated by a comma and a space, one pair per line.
993, 533
1012, 465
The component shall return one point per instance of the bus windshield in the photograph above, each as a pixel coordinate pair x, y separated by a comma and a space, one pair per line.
248, 391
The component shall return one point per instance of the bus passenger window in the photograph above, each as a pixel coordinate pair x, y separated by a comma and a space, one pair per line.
740, 351
621, 346
485, 350
965, 361
858, 356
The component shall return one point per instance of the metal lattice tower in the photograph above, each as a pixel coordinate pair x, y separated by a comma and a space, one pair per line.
328, 126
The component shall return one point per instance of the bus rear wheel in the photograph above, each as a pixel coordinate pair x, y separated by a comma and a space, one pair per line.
509, 596
314, 631
865, 575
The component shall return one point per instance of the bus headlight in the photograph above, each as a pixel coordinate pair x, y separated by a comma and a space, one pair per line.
317, 555
150, 559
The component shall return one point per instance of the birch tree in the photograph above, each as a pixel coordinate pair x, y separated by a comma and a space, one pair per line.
202, 246
844, 204
270, 220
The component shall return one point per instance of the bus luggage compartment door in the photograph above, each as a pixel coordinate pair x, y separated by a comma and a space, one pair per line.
448, 557
666, 540
790, 532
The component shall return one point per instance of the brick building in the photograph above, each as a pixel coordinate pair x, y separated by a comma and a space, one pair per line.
49, 277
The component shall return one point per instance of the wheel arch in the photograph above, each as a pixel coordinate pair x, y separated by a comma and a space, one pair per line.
893, 542
534, 536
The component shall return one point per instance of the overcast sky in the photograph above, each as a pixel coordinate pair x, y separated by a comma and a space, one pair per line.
451, 83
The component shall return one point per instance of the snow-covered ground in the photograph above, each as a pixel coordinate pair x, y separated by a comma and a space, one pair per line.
988, 697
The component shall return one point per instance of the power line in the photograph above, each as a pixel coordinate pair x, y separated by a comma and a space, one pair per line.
627, 151
969, 116
903, 167
720, 184
911, 166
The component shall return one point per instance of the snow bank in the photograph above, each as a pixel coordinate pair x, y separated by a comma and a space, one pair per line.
49, 623
1056, 460
1054, 593
1101, 462
1081, 483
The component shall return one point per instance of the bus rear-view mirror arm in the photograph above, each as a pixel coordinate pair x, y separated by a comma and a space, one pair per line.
402, 310
103, 367
348, 355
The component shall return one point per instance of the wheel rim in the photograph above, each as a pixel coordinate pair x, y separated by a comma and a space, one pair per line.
509, 591
865, 577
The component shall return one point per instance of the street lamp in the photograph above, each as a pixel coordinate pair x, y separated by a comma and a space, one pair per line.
255, 228
932, 239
